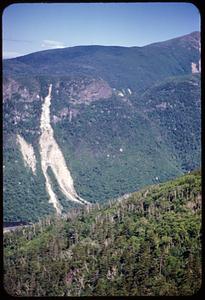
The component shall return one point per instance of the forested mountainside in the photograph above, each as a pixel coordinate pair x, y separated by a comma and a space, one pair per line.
147, 244
121, 118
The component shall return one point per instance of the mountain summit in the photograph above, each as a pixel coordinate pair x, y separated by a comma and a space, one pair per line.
145, 64
121, 117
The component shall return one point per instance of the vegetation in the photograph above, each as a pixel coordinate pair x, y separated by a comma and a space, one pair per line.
169, 105
23, 201
135, 67
112, 146
148, 244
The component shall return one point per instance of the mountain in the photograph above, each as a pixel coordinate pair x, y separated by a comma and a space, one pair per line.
90, 123
121, 67
148, 244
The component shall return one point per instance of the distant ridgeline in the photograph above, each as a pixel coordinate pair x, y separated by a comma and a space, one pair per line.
146, 245
120, 118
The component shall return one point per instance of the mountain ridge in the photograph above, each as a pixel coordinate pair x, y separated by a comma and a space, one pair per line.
192, 34
114, 114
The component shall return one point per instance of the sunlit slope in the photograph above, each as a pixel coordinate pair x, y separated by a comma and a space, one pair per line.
148, 244
120, 121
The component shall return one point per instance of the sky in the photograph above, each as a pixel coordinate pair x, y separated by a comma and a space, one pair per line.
34, 27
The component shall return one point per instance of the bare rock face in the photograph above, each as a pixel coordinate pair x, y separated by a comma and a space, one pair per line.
195, 69
13, 87
83, 90
73, 93
97, 89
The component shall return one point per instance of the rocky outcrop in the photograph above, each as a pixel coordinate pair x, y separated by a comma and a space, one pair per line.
195, 69
83, 90
12, 87
97, 89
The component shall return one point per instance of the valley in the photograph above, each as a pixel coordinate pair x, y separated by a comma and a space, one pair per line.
102, 150
92, 123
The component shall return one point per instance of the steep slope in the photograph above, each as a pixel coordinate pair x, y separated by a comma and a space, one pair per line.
146, 245
175, 105
52, 156
119, 120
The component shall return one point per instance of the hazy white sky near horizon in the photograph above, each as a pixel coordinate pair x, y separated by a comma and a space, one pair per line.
29, 28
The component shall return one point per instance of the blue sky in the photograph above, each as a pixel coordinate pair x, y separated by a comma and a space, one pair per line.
29, 28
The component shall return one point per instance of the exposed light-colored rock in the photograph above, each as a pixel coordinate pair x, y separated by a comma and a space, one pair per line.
56, 119
27, 153
200, 57
199, 65
51, 156
194, 68
120, 94
162, 105
65, 113
197, 45
129, 91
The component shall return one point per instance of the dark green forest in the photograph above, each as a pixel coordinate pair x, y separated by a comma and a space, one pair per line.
148, 244
164, 143
113, 144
